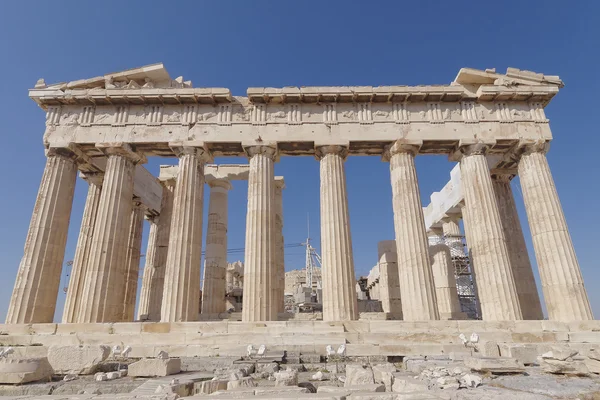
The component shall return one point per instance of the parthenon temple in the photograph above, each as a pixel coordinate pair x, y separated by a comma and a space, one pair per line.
104, 129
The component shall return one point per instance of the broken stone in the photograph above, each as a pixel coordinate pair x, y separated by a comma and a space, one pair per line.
69, 377
358, 375
23, 370
559, 353
77, 360
494, 365
447, 382
527, 354
99, 377
241, 383
269, 368
113, 375
319, 376
470, 381
563, 367
162, 355
592, 365
488, 348
286, 378
208, 387
383, 373
155, 367
407, 384
593, 354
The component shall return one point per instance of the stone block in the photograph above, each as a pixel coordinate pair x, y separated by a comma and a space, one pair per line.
358, 375
566, 367
371, 396
288, 377
494, 365
525, 353
246, 382
592, 365
346, 390
23, 370
584, 337
155, 367
209, 387
279, 390
237, 393
408, 384
383, 373
487, 348
78, 360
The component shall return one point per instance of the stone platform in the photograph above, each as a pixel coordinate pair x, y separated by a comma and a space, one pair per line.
362, 338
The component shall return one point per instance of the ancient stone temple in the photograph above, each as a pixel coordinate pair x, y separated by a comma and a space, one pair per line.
104, 129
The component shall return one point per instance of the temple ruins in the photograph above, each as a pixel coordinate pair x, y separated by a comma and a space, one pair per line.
431, 282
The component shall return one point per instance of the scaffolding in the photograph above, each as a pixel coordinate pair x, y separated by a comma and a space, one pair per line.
463, 272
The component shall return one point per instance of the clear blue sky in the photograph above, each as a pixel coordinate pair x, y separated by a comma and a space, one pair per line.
284, 43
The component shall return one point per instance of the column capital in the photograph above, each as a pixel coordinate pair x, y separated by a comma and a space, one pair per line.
152, 218
93, 178
526, 147
503, 175
411, 147
279, 182
123, 150
191, 148
267, 151
322, 151
467, 148
219, 183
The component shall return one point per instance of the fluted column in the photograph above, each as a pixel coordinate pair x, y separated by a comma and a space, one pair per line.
181, 294
36, 287
562, 283
132, 260
339, 294
416, 279
487, 243
389, 279
260, 253
279, 296
153, 280
71, 311
529, 299
445, 282
215, 260
104, 282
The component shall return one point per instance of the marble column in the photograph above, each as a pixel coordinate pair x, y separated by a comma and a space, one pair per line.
564, 292
487, 243
445, 282
181, 293
389, 279
416, 278
339, 283
104, 282
38, 278
71, 310
529, 299
259, 267
132, 260
215, 260
153, 280
279, 297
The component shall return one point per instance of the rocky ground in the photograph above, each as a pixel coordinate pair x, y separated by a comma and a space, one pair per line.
559, 374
